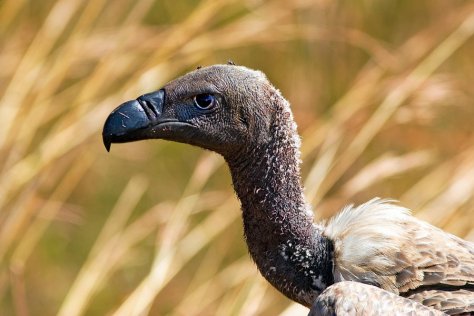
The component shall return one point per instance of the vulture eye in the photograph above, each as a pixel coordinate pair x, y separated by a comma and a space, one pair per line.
205, 101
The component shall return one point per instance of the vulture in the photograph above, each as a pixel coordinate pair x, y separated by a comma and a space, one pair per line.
375, 258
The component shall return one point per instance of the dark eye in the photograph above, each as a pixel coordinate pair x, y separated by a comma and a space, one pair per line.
205, 101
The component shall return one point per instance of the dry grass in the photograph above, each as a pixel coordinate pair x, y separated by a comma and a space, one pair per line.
382, 92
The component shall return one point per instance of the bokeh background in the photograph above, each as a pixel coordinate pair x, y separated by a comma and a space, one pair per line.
383, 93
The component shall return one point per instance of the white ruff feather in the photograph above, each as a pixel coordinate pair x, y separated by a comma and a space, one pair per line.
366, 237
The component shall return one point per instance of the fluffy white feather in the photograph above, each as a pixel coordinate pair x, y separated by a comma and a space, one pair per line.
367, 236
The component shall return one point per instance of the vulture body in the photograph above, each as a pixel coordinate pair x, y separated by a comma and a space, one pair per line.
236, 112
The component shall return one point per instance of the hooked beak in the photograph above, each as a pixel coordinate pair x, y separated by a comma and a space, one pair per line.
131, 121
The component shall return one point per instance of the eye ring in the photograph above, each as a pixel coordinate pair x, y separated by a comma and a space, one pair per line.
205, 101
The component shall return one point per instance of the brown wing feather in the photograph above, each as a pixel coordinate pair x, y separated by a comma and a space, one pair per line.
443, 267
382, 244
353, 298
453, 302
431, 256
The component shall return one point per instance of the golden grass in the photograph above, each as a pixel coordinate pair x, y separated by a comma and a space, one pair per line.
381, 91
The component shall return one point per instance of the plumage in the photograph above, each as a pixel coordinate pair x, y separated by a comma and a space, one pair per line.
403, 255
353, 298
237, 113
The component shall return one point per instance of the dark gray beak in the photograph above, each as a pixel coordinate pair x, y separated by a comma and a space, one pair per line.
131, 120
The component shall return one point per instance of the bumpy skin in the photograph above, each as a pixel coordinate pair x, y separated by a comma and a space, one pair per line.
251, 125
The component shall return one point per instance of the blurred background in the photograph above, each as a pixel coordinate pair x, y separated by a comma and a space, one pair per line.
382, 92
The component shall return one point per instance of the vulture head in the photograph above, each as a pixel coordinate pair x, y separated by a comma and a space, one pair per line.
224, 108
237, 113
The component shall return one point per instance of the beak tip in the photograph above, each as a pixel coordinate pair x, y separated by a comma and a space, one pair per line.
107, 143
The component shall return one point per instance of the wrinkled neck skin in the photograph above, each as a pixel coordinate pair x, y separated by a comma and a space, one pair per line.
287, 247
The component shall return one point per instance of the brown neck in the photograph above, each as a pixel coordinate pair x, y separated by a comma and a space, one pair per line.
287, 247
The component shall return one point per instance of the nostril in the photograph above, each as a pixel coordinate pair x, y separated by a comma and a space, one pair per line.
148, 108
152, 103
